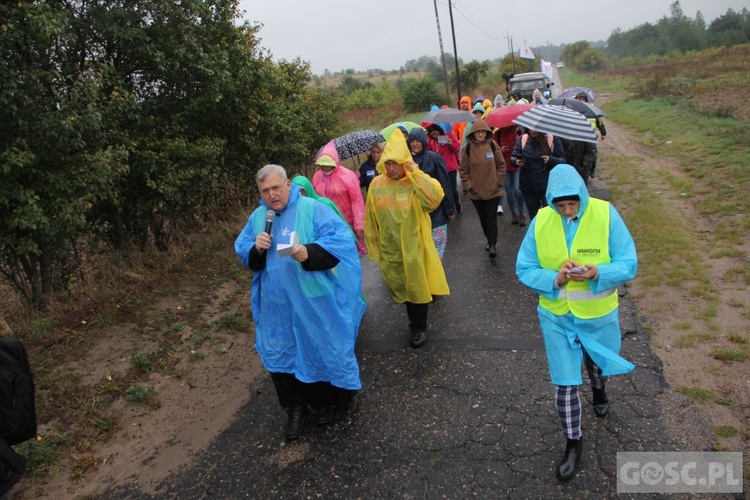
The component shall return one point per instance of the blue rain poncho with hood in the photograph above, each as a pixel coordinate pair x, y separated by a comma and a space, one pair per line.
600, 337
306, 322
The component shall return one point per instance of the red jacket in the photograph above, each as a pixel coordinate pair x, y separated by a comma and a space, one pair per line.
449, 152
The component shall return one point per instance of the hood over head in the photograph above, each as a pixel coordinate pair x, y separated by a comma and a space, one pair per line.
328, 156
304, 183
499, 101
465, 99
565, 181
396, 150
487, 104
478, 126
478, 107
419, 134
537, 93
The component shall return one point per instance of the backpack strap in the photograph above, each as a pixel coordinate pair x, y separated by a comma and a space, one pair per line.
550, 141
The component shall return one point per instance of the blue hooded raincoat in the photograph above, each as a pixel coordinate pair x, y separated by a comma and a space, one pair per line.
306, 322
564, 335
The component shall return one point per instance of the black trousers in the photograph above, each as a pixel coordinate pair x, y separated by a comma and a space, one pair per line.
417, 314
534, 201
487, 211
292, 392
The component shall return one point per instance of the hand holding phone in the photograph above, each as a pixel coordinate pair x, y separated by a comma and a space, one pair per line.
578, 270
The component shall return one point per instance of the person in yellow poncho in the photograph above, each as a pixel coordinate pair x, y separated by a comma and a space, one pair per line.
398, 233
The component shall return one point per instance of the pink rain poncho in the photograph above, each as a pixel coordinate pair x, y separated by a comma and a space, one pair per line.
342, 187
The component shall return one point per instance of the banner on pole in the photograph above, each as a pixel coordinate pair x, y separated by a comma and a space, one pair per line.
548, 69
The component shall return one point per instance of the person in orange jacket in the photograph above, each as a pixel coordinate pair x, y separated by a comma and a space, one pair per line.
459, 128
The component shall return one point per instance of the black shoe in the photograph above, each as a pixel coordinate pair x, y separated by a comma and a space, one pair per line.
601, 403
487, 247
418, 339
566, 469
296, 422
324, 415
493, 252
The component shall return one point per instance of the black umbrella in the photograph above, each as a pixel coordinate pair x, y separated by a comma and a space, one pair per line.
356, 143
585, 108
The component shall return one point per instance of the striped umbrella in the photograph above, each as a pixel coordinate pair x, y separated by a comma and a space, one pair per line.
558, 120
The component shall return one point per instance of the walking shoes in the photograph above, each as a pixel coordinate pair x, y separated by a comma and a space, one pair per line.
296, 422
601, 403
572, 457
418, 339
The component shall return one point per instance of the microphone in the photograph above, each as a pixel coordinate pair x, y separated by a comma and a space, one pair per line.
269, 220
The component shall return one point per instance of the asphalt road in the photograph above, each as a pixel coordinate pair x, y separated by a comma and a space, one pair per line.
470, 414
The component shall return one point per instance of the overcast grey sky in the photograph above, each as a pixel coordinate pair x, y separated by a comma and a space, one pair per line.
359, 34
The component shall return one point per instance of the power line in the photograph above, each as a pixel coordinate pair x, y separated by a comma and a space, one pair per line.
473, 23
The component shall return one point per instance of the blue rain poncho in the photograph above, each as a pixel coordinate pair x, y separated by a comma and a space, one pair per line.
562, 334
306, 322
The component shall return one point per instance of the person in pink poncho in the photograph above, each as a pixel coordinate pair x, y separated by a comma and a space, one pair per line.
341, 185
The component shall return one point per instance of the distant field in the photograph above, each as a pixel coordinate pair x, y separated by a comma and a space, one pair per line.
374, 77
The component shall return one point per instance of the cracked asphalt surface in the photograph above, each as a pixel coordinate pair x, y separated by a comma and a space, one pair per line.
470, 414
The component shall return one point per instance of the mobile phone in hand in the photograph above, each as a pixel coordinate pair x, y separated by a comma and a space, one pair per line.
577, 270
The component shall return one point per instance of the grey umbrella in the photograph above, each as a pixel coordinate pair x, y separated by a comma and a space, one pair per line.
449, 115
572, 92
558, 120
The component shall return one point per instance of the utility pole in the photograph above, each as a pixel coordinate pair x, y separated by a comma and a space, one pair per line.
442, 52
512, 55
455, 53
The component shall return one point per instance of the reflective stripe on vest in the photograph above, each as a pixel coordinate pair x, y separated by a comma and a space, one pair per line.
590, 246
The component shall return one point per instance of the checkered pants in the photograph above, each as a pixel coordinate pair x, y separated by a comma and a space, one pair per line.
569, 401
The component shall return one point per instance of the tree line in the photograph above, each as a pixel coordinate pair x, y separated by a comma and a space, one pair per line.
680, 33
126, 122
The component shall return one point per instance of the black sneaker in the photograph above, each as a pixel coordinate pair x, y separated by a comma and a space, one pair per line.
296, 422
418, 339
493, 251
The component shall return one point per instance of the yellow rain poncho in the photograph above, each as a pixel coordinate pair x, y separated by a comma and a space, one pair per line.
398, 232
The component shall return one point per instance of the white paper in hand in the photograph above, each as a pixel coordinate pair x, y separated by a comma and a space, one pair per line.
285, 248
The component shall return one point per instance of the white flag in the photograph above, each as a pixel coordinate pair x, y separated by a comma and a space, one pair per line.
548, 70
526, 53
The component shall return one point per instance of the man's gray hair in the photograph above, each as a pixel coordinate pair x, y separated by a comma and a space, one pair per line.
268, 170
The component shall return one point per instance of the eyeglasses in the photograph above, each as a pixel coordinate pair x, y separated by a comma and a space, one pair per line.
273, 189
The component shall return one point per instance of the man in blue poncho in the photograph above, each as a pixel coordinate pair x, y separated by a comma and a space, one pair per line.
306, 299
575, 254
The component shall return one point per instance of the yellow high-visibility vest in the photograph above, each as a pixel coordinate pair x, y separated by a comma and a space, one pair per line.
590, 246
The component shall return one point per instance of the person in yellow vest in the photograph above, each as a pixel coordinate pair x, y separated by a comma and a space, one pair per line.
575, 254
398, 233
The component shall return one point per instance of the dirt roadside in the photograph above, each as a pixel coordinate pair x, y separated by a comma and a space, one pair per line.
153, 443
666, 310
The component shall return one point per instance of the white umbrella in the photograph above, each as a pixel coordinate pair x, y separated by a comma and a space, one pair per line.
558, 120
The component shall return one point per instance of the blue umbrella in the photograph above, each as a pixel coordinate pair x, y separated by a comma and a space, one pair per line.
559, 121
